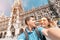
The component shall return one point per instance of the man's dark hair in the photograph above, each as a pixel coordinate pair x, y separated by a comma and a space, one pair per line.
27, 19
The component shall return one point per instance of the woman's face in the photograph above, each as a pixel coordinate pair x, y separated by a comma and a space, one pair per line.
44, 22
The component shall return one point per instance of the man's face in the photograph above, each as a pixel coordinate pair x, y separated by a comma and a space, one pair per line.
31, 22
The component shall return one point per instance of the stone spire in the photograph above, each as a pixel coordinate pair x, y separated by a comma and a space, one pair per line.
16, 12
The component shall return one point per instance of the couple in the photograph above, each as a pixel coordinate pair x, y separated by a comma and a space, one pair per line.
32, 32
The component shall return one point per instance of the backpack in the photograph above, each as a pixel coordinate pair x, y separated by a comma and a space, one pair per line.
40, 35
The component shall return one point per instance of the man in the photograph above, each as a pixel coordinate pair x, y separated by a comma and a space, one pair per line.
30, 30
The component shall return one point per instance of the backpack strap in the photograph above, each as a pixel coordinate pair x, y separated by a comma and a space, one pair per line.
40, 35
26, 35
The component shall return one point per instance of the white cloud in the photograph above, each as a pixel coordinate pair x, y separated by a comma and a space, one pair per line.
5, 5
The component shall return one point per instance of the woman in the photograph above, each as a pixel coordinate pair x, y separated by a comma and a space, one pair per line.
47, 22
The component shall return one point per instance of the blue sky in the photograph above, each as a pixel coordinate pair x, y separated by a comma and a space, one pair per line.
29, 4
5, 5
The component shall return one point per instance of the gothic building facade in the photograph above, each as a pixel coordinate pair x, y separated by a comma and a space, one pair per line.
37, 12
18, 15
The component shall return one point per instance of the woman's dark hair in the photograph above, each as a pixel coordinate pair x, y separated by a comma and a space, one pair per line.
51, 21
27, 19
